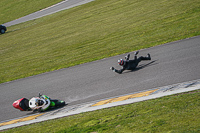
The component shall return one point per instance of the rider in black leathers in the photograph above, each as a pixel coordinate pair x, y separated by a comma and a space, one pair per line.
130, 64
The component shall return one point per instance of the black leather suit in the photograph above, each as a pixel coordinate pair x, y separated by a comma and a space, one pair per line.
131, 64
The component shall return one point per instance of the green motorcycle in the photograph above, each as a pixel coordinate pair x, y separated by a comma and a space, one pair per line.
40, 103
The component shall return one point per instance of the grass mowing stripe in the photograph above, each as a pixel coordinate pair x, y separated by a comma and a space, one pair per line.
93, 31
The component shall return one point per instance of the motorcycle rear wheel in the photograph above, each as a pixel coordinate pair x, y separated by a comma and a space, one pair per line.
58, 103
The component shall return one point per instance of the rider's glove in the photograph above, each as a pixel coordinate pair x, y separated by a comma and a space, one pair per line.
113, 69
136, 52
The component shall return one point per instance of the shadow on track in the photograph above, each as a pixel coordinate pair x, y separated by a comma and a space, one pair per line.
145, 65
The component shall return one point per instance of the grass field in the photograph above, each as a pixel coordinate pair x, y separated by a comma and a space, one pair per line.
14, 9
93, 31
171, 114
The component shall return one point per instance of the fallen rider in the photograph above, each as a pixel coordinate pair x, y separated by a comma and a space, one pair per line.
130, 64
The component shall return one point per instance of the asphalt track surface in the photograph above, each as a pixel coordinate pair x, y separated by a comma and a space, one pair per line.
171, 63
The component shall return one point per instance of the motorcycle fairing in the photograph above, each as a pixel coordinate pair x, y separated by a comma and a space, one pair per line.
21, 104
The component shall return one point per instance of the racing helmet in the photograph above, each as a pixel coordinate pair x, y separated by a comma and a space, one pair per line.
121, 62
36, 102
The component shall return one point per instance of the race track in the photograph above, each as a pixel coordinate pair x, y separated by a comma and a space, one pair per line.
171, 63
66, 4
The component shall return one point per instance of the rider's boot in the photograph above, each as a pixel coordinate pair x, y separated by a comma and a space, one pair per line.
149, 56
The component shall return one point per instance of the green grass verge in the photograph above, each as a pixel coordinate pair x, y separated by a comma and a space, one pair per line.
93, 31
14, 9
171, 114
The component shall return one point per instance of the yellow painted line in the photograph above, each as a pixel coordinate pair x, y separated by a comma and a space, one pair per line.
122, 98
20, 120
